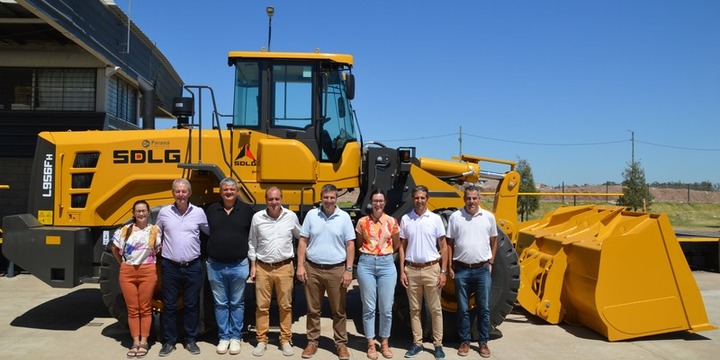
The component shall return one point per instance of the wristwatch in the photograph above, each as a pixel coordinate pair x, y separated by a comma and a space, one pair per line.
348, 268
443, 271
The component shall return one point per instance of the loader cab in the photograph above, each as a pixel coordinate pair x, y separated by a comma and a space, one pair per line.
301, 96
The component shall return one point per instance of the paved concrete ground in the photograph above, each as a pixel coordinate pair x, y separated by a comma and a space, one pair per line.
39, 322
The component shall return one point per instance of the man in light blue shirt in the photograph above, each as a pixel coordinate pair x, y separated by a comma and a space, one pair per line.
326, 251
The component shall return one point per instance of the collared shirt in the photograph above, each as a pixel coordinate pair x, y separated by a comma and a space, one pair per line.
327, 236
181, 233
377, 235
471, 235
422, 233
228, 231
271, 240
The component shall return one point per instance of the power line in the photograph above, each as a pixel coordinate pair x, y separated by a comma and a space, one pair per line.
547, 144
676, 147
610, 142
418, 138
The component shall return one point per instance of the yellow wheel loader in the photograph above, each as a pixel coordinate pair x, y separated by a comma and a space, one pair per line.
293, 126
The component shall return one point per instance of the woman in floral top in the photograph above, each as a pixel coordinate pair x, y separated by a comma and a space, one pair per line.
135, 247
377, 239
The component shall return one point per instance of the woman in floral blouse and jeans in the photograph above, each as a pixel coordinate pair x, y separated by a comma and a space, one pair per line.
377, 239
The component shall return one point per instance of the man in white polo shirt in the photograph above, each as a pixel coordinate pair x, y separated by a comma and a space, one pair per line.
423, 268
472, 236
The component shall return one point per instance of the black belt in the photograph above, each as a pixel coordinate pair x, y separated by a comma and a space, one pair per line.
421, 265
362, 253
324, 266
277, 264
469, 266
232, 261
182, 263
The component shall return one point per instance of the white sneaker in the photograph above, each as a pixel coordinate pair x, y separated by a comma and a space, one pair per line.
287, 349
223, 346
260, 349
234, 347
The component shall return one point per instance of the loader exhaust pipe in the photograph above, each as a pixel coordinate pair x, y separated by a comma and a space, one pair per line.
148, 109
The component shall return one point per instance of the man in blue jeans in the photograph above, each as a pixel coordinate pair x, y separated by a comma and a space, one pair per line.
227, 265
472, 239
180, 225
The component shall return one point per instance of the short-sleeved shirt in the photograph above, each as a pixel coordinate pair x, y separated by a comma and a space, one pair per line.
327, 236
377, 235
271, 240
136, 249
228, 231
471, 235
422, 233
181, 232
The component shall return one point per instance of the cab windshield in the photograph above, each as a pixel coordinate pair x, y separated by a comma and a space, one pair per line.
305, 99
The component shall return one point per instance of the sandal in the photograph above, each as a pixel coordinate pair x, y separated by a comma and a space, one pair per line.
142, 350
385, 351
132, 352
372, 352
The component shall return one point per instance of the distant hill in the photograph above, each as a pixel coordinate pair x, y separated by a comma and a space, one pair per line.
659, 194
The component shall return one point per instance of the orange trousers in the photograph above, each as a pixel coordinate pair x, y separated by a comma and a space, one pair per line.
137, 283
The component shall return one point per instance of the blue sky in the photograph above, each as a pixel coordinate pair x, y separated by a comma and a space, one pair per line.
561, 84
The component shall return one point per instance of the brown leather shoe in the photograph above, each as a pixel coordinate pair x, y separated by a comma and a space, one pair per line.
464, 349
484, 351
343, 353
310, 350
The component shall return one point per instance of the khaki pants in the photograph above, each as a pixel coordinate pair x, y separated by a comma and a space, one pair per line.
424, 282
318, 282
281, 279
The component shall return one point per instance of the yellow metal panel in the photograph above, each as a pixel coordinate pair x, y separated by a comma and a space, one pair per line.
52, 240
346, 176
339, 58
287, 161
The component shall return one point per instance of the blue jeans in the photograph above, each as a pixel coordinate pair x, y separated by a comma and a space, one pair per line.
185, 281
227, 281
467, 281
377, 277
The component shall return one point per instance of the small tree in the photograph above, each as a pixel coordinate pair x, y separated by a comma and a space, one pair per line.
526, 204
635, 189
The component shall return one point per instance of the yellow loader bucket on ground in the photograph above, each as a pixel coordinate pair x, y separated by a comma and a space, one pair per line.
619, 273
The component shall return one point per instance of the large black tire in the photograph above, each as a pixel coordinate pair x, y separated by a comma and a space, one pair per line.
505, 280
110, 287
505, 284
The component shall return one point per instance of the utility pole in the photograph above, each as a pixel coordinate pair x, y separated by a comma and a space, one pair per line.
460, 141
632, 140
